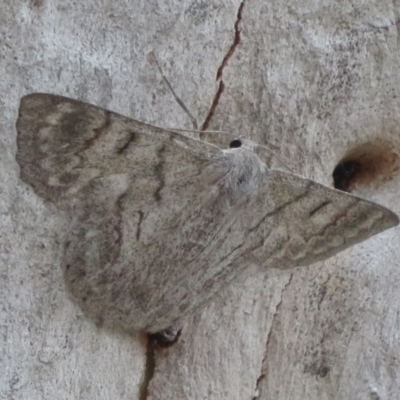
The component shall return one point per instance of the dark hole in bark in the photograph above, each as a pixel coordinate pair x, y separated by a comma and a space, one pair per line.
369, 164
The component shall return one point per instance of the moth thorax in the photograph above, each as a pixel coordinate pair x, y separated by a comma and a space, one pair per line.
245, 172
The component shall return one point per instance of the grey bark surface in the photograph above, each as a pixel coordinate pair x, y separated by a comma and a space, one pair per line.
314, 80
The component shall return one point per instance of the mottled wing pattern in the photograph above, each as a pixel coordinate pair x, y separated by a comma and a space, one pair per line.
291, 222
296, 221
159, 227
68, 149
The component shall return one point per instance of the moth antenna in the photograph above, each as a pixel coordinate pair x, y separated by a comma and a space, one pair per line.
178, 100
198, 131
194, 120
275, 155
230, 134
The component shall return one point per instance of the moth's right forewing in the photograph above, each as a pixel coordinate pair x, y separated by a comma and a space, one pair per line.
296, 221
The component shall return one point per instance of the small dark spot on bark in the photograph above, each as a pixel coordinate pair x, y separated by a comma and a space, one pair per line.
37, 3
241, 180
139, 224
68, 177
317, 370
80, 273
323, 371
322, 293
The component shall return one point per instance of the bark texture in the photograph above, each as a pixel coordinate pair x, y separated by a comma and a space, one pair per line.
318, 81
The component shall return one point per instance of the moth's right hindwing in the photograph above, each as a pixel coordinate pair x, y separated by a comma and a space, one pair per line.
297, 221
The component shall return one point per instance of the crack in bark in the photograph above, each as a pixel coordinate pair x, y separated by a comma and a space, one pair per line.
148, 371
138, 231
235, 43
150, 358
214, 105
263, 373
229, 54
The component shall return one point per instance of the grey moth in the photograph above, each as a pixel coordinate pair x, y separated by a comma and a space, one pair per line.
161, 221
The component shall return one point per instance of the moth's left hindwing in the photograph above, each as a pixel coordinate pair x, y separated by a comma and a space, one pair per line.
144, 207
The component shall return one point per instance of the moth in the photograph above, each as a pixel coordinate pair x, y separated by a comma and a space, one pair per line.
160, 221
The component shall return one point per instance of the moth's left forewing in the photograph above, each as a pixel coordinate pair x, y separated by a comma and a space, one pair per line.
295, 221
72, 152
